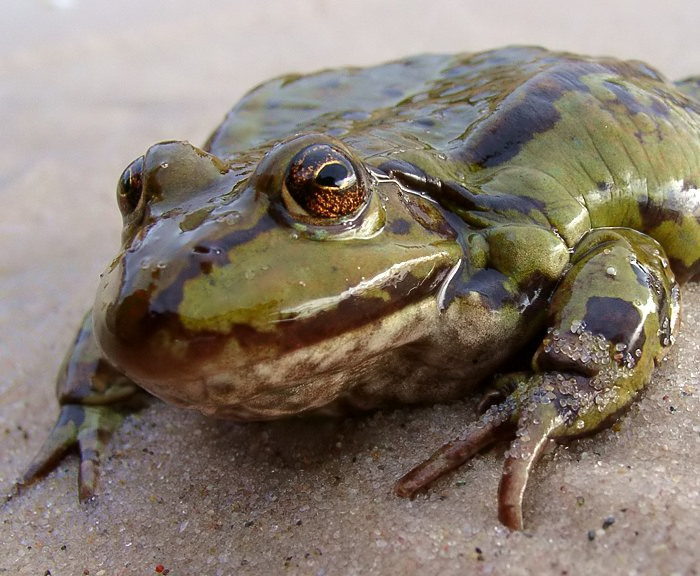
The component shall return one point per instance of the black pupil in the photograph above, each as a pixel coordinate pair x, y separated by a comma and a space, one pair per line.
332, 175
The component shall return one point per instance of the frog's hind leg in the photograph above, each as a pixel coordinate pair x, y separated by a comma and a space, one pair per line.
611, 319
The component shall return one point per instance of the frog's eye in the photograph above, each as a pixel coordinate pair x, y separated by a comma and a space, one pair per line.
130, 187
322, 182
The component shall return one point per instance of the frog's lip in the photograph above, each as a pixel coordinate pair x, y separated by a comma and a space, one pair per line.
150, 343
231, 376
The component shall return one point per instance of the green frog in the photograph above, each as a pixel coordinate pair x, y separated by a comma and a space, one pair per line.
401, 234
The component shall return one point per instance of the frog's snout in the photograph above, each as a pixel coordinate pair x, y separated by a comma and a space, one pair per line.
166, 177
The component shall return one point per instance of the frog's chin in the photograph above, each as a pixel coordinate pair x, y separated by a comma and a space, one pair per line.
320, 394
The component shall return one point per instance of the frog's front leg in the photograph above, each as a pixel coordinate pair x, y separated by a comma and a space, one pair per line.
93, 396
611, 319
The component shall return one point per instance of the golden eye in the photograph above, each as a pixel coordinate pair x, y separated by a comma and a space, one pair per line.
322, 182
130, 187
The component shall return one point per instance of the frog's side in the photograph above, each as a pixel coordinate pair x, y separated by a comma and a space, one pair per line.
396, 234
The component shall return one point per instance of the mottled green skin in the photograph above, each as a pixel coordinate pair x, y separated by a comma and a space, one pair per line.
506, 199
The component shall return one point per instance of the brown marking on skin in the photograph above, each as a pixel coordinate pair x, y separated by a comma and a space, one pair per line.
409, 174
463, 198
207, 255
400, 226
675, 206
529, 110
429, 216
682, 272
490, 284
138, 326
633, 105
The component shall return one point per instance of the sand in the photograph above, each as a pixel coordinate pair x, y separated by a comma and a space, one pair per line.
87, 86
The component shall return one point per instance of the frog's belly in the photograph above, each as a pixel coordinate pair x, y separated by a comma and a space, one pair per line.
387, 381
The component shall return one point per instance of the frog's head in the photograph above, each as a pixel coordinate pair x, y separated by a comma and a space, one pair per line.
243, 282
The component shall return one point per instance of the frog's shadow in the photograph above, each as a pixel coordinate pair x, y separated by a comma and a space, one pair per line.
379, 444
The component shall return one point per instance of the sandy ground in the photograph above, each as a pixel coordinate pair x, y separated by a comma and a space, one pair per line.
87, 86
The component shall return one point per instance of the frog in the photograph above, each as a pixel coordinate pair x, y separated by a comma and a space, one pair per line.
515, 223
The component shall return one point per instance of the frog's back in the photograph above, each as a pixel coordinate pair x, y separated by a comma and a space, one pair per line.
430, 100
589, 143
517, 135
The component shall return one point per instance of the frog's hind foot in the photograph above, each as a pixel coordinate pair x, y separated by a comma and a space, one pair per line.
88, 427
535, 429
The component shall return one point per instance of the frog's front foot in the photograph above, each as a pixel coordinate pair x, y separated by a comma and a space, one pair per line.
87, 427
612, 318
543, 407
94, 398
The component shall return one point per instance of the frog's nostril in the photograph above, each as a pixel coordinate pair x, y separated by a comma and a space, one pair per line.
208, 256
213, 250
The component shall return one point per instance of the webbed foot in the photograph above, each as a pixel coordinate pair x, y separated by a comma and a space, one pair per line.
612, 318
87, 427
94, 397
534, 414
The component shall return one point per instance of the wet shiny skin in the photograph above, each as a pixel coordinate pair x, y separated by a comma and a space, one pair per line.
361, 238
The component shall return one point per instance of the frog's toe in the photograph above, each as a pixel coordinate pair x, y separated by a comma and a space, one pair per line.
534, 431
531, 415
494, 425
88, 427
61, 438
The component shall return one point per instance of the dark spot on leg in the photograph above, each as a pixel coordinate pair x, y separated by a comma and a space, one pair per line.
617, 320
